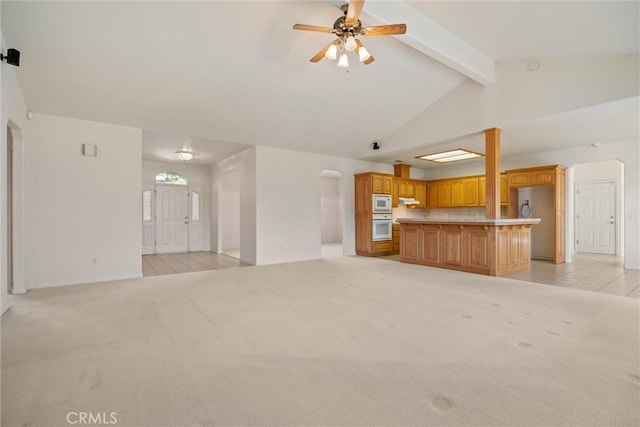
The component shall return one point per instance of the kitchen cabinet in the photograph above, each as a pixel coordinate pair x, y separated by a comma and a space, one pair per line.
395, 231
407, 188
395, 192
421, 194
366, 185
457, 193
548, 176
444, 194
433, 200
381, 183
504, 190
471, 191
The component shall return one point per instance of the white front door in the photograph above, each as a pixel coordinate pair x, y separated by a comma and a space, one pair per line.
596, 218
172, 219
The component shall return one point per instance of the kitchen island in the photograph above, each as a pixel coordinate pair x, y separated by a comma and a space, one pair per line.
477, 245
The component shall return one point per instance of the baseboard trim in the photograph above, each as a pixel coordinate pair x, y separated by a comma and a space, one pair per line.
86, 281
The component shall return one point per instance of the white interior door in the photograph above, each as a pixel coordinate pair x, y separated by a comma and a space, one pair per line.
172, 219
596, 218
148, 223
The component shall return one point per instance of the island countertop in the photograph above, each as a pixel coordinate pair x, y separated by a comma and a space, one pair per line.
476, 221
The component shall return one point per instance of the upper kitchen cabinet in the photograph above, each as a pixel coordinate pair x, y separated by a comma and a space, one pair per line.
471, 191
457, 193
381, 183
504, 190
444, 194
421, 194
433, 199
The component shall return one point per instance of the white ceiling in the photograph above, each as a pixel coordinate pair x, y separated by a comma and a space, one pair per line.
510, 30
218, 75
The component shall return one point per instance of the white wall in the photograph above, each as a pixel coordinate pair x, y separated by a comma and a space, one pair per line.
288, 202
83, 213
229, 210
197, 175
331, 209
245, 165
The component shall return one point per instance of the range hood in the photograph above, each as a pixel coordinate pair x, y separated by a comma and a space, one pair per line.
408, 201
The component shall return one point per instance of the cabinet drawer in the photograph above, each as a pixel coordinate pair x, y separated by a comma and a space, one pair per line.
384, 245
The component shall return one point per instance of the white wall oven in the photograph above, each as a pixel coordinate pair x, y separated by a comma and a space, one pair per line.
381, 227
381, 203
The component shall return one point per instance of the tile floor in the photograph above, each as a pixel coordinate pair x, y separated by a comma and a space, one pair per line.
592, 272
158, 265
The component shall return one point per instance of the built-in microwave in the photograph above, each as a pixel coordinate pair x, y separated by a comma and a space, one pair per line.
381, 203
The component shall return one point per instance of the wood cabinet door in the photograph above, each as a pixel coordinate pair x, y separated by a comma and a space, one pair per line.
482, 191
504, 190
376, 184
432, 195
395, 193
457, 192
471, 195
545, 177
421, 193
387, 185
519, 179
444, 194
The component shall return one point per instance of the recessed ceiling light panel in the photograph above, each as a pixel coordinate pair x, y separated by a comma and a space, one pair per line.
450, 156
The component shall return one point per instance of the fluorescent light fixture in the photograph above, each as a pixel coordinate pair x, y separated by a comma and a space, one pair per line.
184, 155
450, 156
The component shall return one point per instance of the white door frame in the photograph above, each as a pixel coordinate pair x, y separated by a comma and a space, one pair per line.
617, 213
17, 212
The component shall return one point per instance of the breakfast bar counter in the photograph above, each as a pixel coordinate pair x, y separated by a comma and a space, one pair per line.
477, 245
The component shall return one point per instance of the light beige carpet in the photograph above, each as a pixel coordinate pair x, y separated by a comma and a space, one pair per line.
345, 341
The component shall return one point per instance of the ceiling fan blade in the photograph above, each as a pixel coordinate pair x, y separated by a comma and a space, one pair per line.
384, 30
354, 11
313, 28
322, 52
370, 59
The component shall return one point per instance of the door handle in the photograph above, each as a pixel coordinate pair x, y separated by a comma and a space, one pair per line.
187, 222
610, 222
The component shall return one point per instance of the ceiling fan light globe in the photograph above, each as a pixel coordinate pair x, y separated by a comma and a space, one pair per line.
344, 61
332, 52
350, 44
363, 54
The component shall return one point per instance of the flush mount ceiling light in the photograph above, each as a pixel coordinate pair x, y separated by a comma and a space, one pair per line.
450, 156
184, 155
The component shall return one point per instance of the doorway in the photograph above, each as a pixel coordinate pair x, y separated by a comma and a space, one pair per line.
596, 218
331, 213
229, 220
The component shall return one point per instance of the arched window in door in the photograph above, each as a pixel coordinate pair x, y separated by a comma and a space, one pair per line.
170, 177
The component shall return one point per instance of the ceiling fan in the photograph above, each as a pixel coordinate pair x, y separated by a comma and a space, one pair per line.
347, 28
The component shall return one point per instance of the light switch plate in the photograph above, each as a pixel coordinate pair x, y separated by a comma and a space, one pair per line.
89, 150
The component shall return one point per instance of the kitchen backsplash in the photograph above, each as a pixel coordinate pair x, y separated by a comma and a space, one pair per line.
475, 212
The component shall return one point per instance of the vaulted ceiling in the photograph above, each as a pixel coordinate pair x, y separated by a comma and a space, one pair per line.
212, 73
